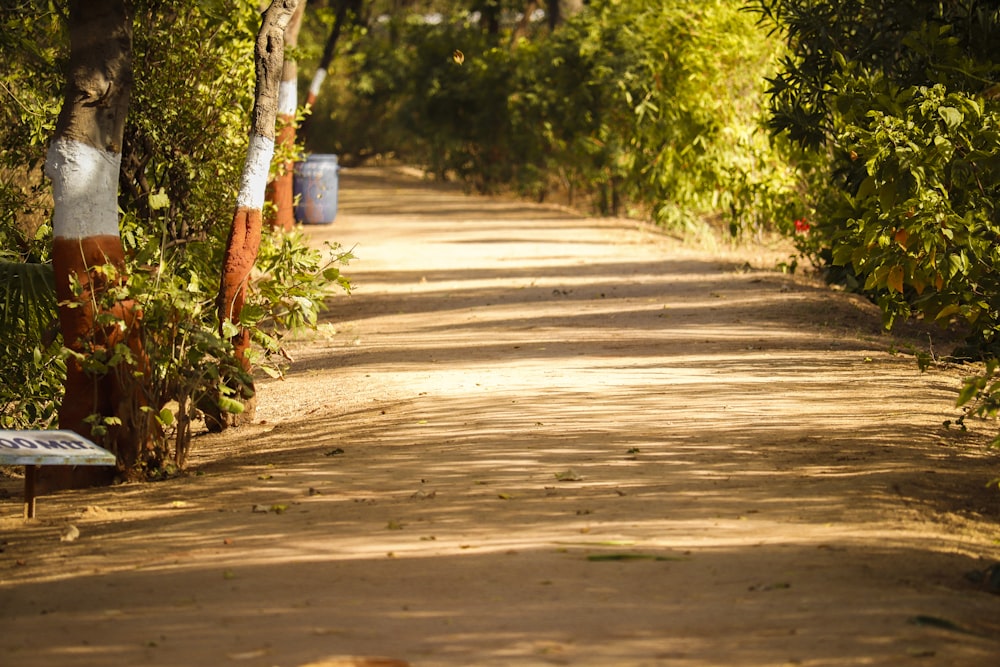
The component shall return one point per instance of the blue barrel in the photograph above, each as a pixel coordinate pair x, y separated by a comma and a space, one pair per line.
315, 187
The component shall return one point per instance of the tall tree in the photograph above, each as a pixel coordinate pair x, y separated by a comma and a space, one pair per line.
330, 47
244, 236
88, 258
281, 190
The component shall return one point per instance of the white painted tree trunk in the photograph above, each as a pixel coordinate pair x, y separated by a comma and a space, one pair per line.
87, 256
282, 190
244, 235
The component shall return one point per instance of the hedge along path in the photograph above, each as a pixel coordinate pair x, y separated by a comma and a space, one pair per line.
530, 438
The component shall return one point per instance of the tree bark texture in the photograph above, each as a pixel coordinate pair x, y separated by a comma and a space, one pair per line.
88, 259
281, 189
244, 235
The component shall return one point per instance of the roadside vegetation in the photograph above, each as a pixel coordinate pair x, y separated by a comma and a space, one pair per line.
185, 144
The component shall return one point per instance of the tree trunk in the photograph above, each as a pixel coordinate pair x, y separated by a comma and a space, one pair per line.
244, 235
281, 190
489, 16
87, 256
330, 48
523, 27
561, 10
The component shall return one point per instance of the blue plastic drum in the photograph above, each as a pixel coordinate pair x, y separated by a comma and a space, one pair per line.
315, 186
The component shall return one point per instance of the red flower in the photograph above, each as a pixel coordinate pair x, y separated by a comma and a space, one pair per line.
801, 226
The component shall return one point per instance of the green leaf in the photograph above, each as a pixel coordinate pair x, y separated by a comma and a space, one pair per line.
230, 405
866, 189
951, 116
947, 311
969, 390
887, 195
159, 200
251, 314
165, 417
229, 329
270, 371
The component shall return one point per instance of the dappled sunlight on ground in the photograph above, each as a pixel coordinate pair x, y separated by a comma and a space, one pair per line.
531, 439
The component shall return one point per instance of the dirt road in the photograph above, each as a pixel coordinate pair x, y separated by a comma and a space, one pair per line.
530, 438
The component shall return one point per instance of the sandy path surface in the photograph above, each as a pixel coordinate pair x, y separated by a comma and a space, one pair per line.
534, 439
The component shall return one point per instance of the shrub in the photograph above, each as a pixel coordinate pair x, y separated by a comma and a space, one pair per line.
645, 109
895, 105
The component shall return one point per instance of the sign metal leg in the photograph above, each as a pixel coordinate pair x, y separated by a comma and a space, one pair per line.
30, 477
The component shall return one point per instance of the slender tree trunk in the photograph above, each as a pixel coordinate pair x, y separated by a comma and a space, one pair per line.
282, 194
489, 13
88, 259
244, 235
561, 10
330, 48
523, 26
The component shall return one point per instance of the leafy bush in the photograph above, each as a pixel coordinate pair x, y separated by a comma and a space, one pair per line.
29, 353
895, 105
30, 76
658, 105
649, 109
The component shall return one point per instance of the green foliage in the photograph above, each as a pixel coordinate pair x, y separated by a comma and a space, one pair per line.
655, 106
454, 110
186, 356
646, 109
922, 225
894, 105
286, 293
29, 354
30, 77
186, 140
186, 366
186, 131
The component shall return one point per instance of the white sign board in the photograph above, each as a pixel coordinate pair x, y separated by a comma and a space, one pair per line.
32, 448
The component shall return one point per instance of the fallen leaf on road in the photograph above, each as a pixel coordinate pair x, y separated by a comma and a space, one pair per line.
248, 655
630, 556
770, 587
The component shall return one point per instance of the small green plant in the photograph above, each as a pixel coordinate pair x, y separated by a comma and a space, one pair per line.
980, 397
287, 293
29, 347
186, 358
